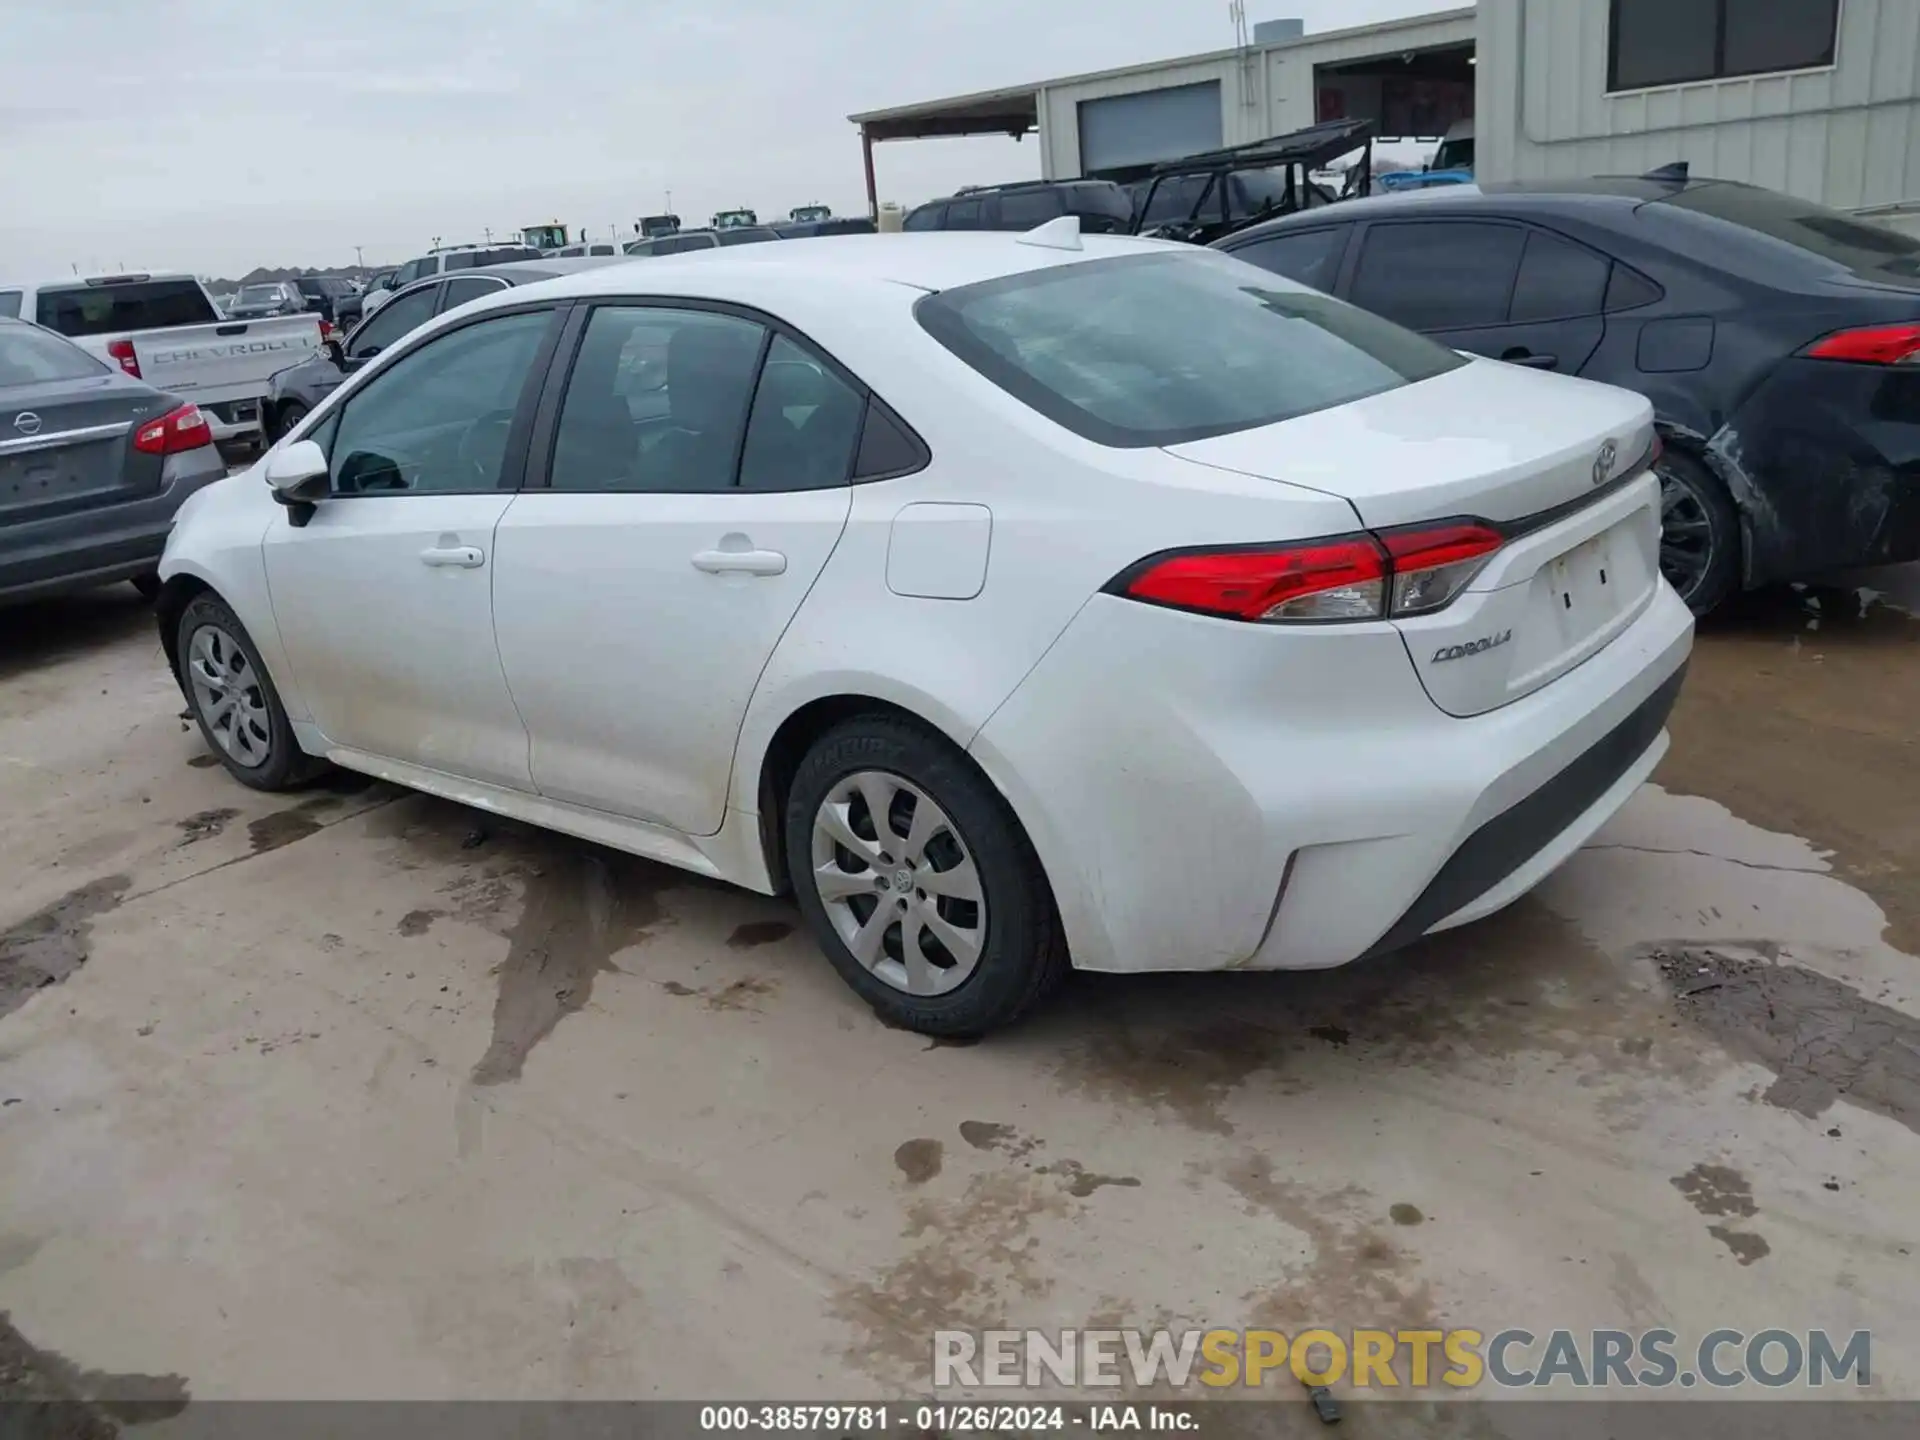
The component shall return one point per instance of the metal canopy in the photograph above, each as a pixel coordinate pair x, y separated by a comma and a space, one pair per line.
1312, 147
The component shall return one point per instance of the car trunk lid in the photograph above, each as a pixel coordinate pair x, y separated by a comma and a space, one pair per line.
64, 446
1558, 467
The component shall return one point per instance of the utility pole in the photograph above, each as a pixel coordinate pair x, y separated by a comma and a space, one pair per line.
669, 200
359, 260
488, 232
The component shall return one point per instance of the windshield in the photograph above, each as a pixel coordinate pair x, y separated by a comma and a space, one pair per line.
1866, 249
259, 295
1164, 348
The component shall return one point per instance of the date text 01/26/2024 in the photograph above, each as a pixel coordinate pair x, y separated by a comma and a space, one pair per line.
945, 1419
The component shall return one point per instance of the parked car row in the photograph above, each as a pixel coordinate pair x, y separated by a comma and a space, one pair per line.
165, 329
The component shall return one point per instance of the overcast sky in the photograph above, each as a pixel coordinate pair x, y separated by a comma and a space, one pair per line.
216, 135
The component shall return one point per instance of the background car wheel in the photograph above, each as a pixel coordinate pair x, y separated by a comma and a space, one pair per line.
233, 698
285, 418
918, 882
1699, 532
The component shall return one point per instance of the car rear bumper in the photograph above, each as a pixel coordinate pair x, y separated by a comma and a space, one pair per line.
1824, 460
1208, 796
103, 545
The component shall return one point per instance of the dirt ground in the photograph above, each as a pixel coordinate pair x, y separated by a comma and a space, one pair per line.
354, 1093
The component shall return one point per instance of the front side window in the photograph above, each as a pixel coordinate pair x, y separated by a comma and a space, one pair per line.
408, 273
1163, 348
1175, 199
391, 321
1673, 42
30, 356
1024, 209
963, 215
10, 304
926, 217
1442, 275
437, 419
657, 401
1310, 256
805, 423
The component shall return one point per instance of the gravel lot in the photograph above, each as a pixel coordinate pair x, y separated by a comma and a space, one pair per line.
350, 1094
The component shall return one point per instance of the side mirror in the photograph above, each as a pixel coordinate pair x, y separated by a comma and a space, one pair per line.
297, 475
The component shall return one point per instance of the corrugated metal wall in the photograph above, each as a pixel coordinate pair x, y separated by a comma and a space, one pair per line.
1848, 137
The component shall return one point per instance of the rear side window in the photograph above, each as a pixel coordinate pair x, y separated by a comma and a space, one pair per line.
1310, 256
1448, 275
657, 401
1162, 348
1024, 209
1559, 280
132, 305
30, 356
460, 260
1629, 289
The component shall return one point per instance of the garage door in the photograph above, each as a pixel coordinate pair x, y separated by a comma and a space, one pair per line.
1138, 129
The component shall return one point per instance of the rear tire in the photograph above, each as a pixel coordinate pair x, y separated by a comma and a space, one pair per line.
946, 900
232, 696
1700, 532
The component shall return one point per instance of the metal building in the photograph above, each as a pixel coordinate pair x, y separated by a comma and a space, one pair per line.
1818, 98
1414, 77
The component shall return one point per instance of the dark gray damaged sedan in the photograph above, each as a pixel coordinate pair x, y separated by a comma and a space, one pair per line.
93, 465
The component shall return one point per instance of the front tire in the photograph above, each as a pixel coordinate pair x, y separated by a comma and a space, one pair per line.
285, 418
1699, 532
917, 881
233, 698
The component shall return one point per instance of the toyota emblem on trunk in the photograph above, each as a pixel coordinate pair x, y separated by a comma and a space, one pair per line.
1603, 462
27, 423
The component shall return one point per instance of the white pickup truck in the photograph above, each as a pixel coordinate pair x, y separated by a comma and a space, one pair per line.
166, 330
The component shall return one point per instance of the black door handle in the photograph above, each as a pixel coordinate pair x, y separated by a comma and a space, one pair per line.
1520, 355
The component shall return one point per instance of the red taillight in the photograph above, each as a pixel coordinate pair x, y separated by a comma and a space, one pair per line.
122, 353
1351, 577
182, 429
1874, 345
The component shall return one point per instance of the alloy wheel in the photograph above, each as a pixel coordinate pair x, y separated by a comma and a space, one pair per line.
1686, 535
227, 693
898, 883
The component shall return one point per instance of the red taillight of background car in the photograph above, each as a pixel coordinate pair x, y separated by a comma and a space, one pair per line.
183, 429
121, 352
1410, 571
1873, 345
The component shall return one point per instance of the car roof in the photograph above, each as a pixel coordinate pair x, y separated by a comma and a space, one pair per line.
1596, 193
926, 260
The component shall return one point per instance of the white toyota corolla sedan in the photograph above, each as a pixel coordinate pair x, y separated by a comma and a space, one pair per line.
1017, 601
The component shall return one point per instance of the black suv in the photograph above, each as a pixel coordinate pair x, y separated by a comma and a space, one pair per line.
1103, 207
324, 293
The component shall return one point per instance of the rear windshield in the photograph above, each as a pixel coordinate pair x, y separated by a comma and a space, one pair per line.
1866, 249
130, 305
30, 356
259, 295
1164, 348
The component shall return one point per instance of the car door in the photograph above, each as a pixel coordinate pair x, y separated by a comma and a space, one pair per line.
383, 597
697, 483
1492, 287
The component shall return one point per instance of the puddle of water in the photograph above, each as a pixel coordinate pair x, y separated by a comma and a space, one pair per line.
1823, 1040
205, 825
72, 1403
49, 945
580, 908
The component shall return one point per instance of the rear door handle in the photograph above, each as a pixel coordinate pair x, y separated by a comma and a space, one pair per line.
1531, 360
741, 562
461, 557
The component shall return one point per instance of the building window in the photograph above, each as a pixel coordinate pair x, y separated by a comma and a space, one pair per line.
1673, 42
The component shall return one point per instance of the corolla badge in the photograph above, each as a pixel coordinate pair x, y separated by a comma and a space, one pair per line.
27, 423
1603, 462
1472, 647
